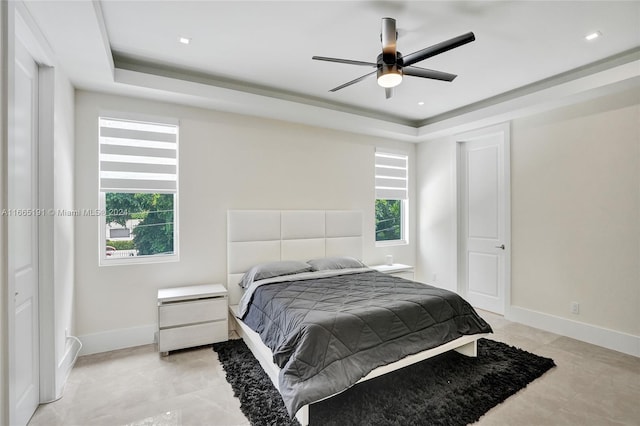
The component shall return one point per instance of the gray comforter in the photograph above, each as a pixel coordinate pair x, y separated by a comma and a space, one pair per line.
327, 333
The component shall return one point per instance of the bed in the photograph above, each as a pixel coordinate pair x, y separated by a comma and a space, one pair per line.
319, 330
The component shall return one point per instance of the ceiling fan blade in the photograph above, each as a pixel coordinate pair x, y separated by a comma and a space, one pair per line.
439, 48
344, 61
389, 36
388, 92
352, 81
427, 73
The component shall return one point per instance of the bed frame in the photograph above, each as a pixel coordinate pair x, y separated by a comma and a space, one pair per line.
258, 236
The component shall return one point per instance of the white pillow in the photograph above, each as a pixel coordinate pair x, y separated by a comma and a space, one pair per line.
339, 262
272, 269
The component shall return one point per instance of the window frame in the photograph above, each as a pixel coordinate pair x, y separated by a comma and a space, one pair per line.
103, 259
404, 217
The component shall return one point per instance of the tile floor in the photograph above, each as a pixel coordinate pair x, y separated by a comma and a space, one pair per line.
136, 387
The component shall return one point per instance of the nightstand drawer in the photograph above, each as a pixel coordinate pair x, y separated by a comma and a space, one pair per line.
408, 275
202, 310
192, 335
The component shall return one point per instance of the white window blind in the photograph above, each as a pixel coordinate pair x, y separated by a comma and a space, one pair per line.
138, 156
391, 176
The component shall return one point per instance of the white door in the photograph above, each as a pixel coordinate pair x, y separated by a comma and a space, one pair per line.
483, 252
23, 242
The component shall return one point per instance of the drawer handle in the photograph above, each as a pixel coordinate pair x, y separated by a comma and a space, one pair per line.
173, 302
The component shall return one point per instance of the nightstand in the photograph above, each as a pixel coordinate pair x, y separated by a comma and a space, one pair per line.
191, 316
397, 269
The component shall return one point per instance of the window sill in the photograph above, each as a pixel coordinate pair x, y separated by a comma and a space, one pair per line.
391, 243
140, 260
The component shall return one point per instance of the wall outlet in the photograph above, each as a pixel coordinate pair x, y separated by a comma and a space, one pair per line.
575, 308
435, 278
66, 333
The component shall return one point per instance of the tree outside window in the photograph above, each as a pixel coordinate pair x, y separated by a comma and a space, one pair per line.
388, 220
149, 218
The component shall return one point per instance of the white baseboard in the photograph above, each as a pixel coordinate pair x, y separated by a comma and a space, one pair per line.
117, 339
618, 341
610, 339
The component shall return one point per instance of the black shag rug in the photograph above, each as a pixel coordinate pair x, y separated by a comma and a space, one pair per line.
449, 389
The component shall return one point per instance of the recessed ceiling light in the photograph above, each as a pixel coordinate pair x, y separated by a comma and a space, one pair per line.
593, 36
420, 103
184, 40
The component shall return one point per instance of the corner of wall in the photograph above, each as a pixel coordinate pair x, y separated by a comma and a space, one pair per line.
436, 213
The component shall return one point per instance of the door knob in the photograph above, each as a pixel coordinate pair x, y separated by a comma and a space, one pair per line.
500, 246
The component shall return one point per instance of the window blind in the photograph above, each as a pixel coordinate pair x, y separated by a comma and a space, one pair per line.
138, 156
391, 176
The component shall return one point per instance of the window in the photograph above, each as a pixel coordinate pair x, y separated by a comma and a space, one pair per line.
138, 191
391, 197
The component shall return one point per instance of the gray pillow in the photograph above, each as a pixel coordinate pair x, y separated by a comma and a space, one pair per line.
340, 262
272, 269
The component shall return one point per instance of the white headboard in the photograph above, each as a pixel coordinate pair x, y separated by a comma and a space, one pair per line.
258, 236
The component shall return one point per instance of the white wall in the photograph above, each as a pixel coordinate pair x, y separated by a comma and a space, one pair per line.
437, 220
575, 188
4, 283
227, 161
56, 185
576, 212
63, 228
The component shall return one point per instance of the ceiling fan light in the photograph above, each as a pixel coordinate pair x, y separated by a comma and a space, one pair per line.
592, 36
389, 76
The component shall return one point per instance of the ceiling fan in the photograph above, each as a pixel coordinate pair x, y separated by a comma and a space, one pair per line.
391, 66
